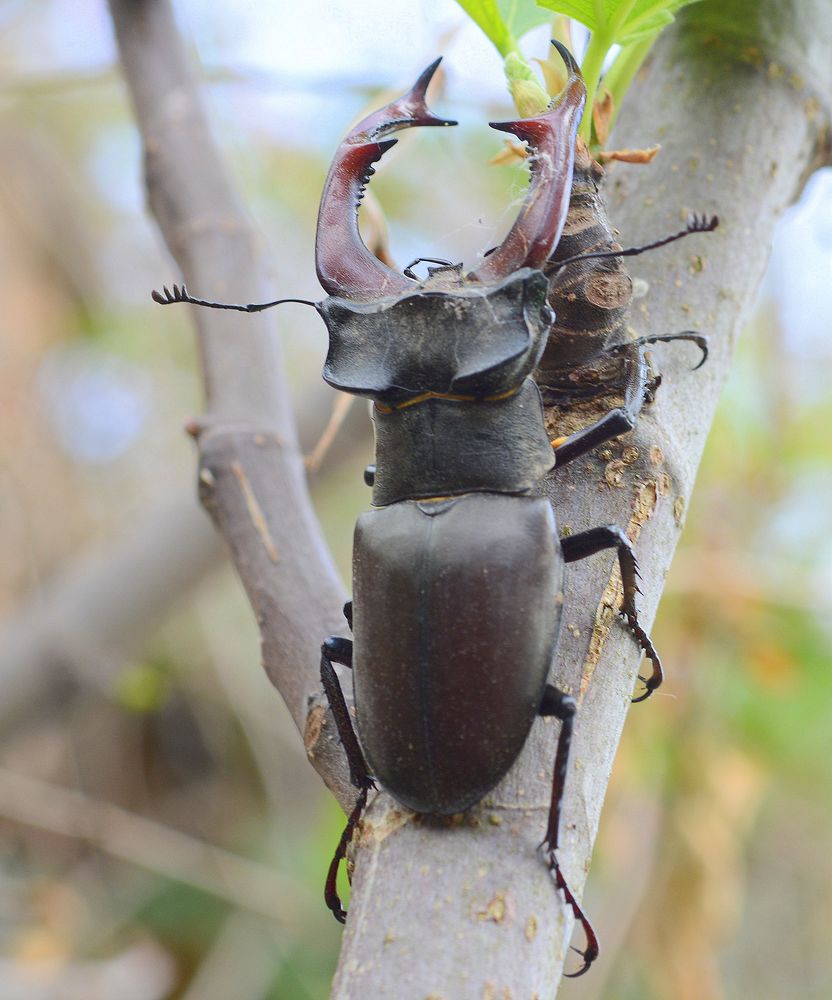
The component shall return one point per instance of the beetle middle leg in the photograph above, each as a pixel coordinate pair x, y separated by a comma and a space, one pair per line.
637, 391
562, 706
587, 543
612, 424
337, 650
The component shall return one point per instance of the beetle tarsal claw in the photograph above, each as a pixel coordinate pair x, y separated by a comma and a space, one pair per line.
593, 948
648, 690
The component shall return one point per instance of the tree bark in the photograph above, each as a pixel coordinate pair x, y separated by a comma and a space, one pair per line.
466, 909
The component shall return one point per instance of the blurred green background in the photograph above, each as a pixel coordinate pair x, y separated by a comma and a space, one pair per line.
161, 834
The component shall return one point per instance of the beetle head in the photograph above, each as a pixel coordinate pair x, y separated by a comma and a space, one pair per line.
468, 340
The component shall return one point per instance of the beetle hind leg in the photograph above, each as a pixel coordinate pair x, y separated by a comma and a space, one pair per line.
336, 650
562, 706
587, 543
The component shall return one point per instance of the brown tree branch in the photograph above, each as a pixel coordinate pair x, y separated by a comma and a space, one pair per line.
467, 909
251, 471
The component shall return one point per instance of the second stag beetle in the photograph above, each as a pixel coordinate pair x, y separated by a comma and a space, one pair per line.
593, 368
458, 566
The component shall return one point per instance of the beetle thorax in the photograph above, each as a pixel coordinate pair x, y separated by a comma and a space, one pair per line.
448, 371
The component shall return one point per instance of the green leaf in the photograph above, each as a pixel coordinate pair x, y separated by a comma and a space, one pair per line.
620, 21
504, 21
521, 16
647, 17
487, 15
615, 22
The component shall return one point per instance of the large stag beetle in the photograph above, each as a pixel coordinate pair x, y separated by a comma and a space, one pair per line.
458, 567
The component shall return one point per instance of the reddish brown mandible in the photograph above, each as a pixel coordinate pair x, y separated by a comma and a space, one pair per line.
346, 267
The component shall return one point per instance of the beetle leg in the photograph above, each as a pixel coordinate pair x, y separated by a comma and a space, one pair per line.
562, 706
587, 543
637, 391
694, 336
408, 271
612, 424
340, 651
331, 897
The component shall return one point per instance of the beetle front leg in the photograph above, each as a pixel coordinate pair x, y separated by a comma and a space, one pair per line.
637, 392
562, 706
587, 543
612, 424
693, 336
340, 651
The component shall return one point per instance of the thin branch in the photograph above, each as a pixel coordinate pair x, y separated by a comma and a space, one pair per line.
243, 883
340, 409
242, 963
251, 470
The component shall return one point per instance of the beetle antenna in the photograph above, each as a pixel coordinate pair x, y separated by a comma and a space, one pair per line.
180, 294
696, 224
408, 272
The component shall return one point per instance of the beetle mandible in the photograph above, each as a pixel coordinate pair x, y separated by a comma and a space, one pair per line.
457, 539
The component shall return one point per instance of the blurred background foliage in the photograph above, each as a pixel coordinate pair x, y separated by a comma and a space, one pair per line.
161, 834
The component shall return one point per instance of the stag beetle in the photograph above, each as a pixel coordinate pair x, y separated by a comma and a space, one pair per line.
590, 357
589, 352
458, 538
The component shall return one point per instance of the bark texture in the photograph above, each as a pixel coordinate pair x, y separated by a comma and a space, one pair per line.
465, 909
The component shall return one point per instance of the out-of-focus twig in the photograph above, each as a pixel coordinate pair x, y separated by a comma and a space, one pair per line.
340, 408
99, 611
241, 963
239, 881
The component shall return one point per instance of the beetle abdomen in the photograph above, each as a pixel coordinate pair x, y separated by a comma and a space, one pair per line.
456, 606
